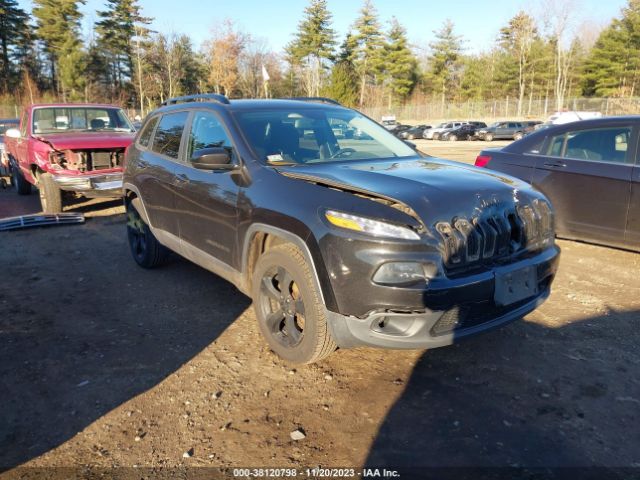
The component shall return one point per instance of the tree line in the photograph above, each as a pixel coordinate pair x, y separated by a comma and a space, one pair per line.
45, 55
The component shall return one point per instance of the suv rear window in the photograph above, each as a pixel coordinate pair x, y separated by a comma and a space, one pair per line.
169, 134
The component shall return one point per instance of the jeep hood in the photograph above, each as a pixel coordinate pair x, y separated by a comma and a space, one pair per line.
87, 140
435, 189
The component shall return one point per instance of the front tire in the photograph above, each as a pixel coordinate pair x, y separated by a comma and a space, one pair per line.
50, 194
19, 182
453, 138
288, 307
145, 248
488, 137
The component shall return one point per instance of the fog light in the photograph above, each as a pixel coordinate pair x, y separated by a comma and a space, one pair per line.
400, 273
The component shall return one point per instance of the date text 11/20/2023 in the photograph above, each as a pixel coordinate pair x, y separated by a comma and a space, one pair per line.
314, 473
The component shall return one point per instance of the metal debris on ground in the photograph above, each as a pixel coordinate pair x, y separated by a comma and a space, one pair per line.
40, 220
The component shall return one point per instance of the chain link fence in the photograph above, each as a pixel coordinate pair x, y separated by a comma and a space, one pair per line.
504, 109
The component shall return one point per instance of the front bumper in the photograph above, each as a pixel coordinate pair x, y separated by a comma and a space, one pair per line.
92, 185
452, 309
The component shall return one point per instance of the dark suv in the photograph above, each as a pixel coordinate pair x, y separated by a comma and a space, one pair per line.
502, 131
340, 242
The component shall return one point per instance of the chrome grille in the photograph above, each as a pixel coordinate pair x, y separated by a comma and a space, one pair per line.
496, 233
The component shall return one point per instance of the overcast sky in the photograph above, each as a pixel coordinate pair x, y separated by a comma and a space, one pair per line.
275, 20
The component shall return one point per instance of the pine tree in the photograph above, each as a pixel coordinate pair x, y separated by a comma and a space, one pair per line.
612, 68
116, 30
313, 45
399, 62
445, 59
369, 44
58, 28
344, 78
13, 22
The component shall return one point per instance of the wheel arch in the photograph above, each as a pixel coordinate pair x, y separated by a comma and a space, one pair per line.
259, 237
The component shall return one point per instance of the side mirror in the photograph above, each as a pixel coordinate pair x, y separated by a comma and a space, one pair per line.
212, 159
12, 133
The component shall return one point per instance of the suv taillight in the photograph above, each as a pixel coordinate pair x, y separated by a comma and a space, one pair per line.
482, 160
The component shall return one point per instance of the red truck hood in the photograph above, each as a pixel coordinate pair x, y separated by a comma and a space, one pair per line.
85, 140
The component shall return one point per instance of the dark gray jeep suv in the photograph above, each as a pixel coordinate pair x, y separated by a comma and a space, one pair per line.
340, 242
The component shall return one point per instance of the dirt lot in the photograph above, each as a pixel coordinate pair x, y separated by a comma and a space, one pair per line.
105, 364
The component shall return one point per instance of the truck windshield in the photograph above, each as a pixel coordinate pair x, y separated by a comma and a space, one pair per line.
314, 135
64, 119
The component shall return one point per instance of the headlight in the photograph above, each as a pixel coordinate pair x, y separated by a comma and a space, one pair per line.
375, 228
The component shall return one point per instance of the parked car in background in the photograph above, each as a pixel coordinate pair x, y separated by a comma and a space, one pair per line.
530, 126
69, 148
382, 246
399, 129
389, 122
463, 132
478, 124
434, 133
560, 118
590, 172
414, 132
502, 131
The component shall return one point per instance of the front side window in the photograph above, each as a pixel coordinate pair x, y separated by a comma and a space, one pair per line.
601, 145
309, 135
169, 134
63, 119
206, 132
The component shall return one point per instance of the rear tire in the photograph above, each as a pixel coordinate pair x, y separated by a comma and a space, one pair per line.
50, 194
145, 248
288, 307
518, 136
19, 182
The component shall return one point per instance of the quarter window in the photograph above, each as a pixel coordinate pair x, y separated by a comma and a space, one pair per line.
600, 145
147, 131
206, 132
169, 134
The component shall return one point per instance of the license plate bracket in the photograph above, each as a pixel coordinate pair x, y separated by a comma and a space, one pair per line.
514, 285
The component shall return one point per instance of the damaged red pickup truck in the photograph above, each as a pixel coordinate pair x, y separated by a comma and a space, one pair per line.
69, 149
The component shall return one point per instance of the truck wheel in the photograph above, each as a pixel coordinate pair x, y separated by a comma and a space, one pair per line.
488, 137
19, 182
50, 194
288, 308
145, 248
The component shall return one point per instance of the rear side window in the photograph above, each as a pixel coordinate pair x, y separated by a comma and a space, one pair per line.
147, 131
169, 134
600, 145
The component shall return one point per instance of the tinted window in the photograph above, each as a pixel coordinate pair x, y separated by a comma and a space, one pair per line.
602, 145
147, 131
169, 133
206, 132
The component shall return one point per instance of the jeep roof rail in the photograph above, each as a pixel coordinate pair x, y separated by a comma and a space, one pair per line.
215, 97
315, 99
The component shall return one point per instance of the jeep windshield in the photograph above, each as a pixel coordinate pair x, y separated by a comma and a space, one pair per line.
87, 119
318, 135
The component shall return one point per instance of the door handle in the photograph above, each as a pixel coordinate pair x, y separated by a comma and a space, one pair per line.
555, 164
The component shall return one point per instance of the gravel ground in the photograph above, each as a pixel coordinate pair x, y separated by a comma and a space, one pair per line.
105, 364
